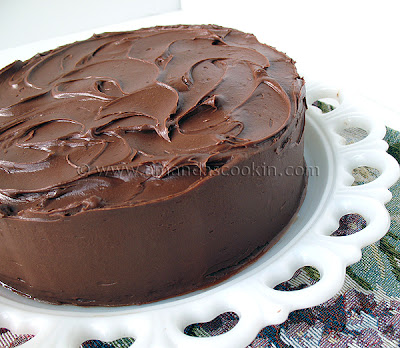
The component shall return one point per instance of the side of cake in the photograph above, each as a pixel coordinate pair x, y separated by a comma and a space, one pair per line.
141, 165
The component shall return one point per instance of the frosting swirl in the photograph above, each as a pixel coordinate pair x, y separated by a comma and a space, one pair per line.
106, 122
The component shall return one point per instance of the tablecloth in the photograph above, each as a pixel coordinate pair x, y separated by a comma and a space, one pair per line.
365, 313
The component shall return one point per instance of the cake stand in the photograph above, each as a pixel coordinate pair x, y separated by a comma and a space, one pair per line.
250, 293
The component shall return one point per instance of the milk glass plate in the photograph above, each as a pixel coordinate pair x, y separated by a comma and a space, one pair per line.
250, 293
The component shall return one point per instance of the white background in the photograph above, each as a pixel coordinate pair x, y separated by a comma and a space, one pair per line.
350, 44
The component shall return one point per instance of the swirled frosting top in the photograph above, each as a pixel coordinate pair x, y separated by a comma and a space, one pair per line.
103, 122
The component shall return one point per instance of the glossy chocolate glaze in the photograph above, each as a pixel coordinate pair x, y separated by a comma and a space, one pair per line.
119, 158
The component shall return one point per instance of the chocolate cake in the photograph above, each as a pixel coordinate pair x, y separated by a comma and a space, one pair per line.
137, 166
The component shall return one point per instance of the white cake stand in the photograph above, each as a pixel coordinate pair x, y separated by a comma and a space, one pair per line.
250, 293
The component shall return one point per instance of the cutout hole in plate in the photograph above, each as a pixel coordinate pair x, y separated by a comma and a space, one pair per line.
303, 278
9, 339
326, 105
350, 224
352, 135
218, 326
363, 175
124, 342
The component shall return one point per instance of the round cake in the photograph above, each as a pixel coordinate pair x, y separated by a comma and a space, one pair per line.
137, 166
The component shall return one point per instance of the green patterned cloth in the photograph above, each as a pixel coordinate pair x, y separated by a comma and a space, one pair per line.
365, 313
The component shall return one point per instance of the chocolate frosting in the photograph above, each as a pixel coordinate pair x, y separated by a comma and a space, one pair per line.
108, 122
119, 160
